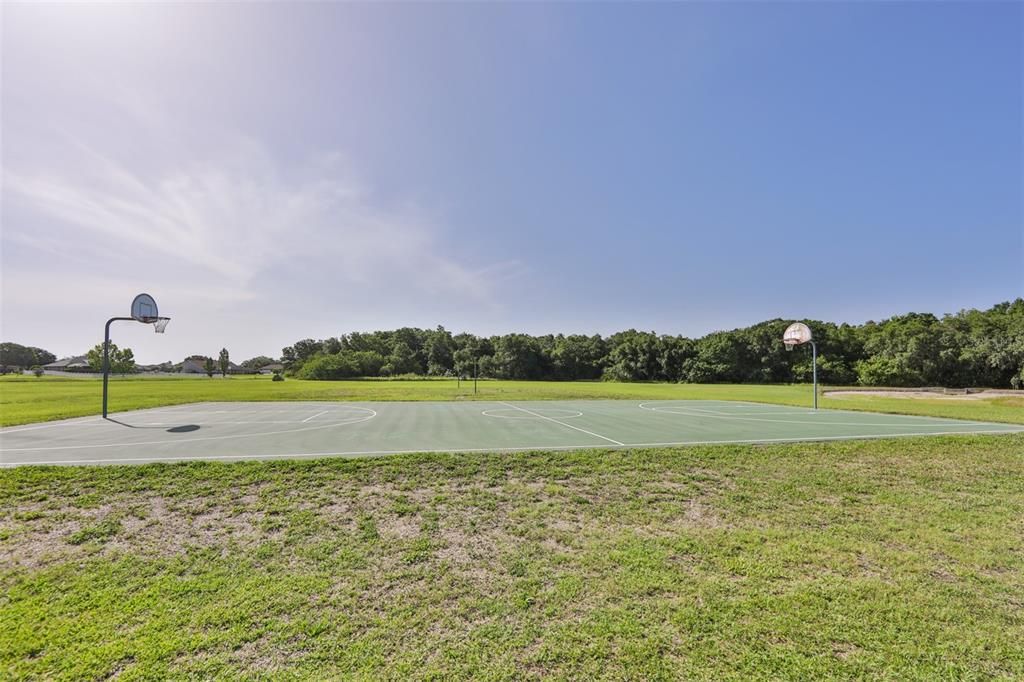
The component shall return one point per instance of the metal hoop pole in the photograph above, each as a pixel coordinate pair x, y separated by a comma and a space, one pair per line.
814, 362
106, 358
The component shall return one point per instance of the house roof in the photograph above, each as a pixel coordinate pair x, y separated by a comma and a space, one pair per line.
193, 366
76, 361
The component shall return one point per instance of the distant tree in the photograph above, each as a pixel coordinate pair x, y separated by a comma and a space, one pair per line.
378, 342
468, 349
407, 345
327, 367
43, 357
342, 365
717, 359
463, 361
224, 361
402, 360
257, 362
16, 355
969, 348
293, 357
122, 361
440, 349
673, 352
209, 367
762, 357
368, 362
518, 356
903, 351
37, 370
634, 356
486, 366
578, 357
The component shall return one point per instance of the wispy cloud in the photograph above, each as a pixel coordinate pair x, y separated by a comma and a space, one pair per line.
240, 249
237, 216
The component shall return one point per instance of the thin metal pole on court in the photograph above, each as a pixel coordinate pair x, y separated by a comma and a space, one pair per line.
106, 357
799, 333
476, 372
814, 363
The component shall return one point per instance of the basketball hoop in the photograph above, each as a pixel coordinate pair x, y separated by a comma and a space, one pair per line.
797, 334
144, 310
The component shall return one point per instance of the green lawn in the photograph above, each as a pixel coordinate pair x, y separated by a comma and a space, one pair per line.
28, 399
883, 559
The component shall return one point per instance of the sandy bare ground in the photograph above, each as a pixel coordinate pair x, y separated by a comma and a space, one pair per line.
930, 395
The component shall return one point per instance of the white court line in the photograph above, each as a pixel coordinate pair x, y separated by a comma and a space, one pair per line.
173, 441
309, 419
170, 408
688, 412
824, 438
731, 414
157, 412
231, 423
776, 408
590, 433
573, 415
19, 429
541, 448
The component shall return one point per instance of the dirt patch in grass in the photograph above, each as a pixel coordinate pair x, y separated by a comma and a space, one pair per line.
266, 657
154, 528
843, 650
652, 564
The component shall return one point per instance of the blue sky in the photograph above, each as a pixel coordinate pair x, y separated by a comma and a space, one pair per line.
276, 171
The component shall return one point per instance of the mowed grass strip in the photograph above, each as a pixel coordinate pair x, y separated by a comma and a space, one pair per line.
25, 400
884, 559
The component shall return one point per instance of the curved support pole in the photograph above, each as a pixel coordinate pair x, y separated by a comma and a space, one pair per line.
106, 357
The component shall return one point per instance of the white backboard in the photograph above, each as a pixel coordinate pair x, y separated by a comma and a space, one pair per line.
796, 333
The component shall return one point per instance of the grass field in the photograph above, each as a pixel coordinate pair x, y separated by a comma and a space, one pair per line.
892, 558
885, 559
25, 400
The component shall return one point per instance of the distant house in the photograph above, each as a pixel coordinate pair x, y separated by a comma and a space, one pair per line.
79, 363
192, 366
197, 365
271, 368
162, 367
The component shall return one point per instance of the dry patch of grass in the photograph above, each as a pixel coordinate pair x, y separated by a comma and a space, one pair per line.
792, 561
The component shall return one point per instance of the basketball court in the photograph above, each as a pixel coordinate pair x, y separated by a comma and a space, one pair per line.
296, 430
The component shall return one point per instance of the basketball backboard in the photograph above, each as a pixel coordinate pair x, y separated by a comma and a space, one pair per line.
796, 334
144, 309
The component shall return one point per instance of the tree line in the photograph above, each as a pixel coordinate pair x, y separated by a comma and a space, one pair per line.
969, 348
14, 355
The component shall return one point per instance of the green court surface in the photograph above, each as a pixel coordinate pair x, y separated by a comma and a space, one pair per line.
238, 431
